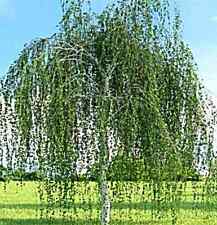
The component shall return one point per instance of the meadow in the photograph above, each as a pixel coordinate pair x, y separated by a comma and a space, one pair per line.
131, 205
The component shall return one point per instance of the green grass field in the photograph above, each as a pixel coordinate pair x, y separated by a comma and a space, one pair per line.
131, 205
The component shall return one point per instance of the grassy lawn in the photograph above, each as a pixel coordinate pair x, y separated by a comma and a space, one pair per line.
131, 205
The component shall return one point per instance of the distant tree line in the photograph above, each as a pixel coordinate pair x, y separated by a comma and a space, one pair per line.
18, 175
137, 172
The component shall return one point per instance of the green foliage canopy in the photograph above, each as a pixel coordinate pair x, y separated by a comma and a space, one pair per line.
119, 85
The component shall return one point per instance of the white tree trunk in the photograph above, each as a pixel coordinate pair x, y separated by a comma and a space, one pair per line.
105, 201
104, 189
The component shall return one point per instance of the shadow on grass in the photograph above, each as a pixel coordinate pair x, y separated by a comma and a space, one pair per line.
122, 205
46, 222
71, 222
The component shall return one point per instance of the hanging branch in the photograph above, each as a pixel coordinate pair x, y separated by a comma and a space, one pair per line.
116, 96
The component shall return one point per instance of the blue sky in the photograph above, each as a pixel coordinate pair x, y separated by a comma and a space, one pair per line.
200, 32
24, 20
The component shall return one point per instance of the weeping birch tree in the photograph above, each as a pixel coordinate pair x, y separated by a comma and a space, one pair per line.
119, 85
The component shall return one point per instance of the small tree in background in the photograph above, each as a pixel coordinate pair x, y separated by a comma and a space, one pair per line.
117, 87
